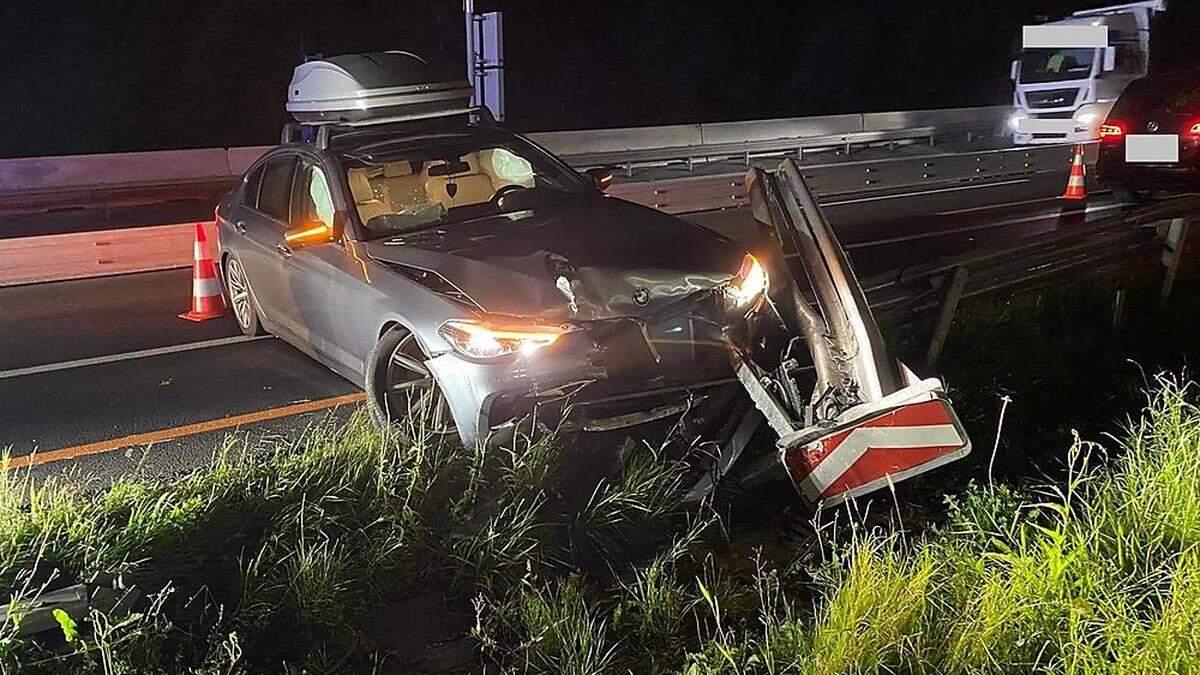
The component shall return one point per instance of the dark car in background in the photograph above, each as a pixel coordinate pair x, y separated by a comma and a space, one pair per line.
1150, 142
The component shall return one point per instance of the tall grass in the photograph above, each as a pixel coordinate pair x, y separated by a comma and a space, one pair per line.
1099, 575
294, 559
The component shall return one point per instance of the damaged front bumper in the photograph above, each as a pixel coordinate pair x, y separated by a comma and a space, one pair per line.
614, 373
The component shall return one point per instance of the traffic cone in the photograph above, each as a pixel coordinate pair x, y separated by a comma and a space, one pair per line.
1075, 184
207, 300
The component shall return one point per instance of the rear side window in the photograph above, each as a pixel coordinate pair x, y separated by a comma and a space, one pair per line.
274, 196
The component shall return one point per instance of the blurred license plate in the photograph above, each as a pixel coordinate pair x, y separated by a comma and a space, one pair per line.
1153, 148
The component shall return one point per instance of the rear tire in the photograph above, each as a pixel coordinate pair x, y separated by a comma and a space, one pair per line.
241, 298
401, 392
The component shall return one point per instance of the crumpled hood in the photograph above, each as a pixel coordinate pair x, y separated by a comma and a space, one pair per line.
579, 259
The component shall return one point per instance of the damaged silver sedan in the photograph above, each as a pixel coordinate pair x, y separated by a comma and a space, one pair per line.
461, 261
444, 264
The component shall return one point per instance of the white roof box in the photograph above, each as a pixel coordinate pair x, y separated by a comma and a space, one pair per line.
374, 88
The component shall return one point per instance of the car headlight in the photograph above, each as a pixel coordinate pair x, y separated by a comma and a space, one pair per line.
1014, 121
485, 339
749, 283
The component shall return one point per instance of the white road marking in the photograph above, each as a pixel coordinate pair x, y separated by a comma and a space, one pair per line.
972, 228
992, 207
127, 356
957, 188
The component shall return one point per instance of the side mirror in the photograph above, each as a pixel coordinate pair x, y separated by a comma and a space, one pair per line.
1014, 70
602, 176
308, 233
1110, 59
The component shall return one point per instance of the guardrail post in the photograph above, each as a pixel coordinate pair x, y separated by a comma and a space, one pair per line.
951, 294
1176, 242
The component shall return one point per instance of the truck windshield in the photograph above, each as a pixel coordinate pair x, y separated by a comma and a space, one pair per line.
405, 184
1054, 65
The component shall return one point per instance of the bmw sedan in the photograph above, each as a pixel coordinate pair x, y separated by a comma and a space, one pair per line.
454, 266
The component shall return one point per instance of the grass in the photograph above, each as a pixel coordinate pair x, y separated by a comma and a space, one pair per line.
351, 551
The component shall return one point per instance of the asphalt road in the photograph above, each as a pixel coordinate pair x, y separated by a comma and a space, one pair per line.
99, 376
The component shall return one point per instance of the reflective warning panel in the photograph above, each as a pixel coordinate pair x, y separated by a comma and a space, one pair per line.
862, 455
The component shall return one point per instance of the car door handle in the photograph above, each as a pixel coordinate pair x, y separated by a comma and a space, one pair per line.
240, 226
284, 250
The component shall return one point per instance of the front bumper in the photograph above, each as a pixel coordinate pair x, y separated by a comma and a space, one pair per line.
611, 367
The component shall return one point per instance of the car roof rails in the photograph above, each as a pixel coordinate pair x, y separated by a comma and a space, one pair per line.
322, 135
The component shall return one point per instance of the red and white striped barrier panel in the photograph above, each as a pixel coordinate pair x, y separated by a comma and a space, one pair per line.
905, 434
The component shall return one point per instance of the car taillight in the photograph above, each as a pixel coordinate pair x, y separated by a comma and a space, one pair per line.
1194, 131
1112, 132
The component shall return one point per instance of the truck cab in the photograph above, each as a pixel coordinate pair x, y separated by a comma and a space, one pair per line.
1074, 87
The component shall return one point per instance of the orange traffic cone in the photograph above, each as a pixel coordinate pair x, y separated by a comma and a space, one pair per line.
207, 300
1075, 184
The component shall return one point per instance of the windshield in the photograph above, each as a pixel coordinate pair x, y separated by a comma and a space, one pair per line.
404, 184
1054, 65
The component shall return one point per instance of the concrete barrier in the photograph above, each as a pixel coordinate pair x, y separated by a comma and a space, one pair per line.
619, 140
53, 174
719, 133
990, 118
79, 255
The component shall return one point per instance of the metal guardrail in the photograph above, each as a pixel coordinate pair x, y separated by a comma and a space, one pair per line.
34, 176
903, 295
694, 193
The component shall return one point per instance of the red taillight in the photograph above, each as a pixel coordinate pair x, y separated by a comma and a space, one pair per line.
1194, 131
1112, 132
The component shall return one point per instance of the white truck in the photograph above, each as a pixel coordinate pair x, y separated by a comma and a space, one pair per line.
1062, 94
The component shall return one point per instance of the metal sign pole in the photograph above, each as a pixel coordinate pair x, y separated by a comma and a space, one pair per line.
485, 58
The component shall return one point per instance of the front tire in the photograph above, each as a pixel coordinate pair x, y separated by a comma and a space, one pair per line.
401, 392
241, 298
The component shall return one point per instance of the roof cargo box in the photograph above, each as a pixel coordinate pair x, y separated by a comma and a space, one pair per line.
378, 87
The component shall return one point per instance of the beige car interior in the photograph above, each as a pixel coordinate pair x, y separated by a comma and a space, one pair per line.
406, 186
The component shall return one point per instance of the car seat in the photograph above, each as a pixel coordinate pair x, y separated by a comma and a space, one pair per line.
366, 197
470, 187
404, 189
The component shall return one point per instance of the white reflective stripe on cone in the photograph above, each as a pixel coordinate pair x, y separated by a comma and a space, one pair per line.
205, 288
854, 446
198, 252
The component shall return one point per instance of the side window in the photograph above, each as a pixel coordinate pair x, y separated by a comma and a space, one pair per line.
250, 194
311, 199
275, 193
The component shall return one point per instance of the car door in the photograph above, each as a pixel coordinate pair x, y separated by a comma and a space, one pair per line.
326, 279
261, 220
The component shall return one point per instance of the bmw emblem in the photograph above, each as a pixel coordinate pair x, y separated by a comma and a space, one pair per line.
641, 296
1152, 126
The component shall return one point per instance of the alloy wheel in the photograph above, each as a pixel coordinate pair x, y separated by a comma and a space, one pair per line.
411, 390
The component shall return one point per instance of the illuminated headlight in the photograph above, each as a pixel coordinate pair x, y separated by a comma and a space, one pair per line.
1089, 117
485, 340
1014, 120
748, 284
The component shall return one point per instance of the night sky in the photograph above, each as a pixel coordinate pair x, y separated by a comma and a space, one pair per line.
107, 76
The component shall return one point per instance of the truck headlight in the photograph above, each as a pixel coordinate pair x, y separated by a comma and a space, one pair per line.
1014, 120
485, 339
749, 283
